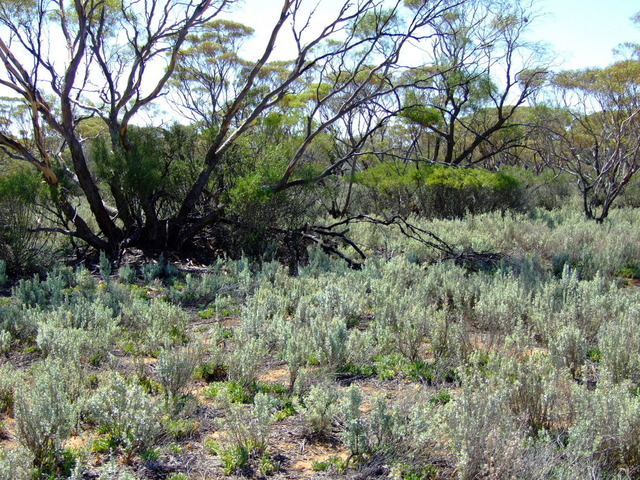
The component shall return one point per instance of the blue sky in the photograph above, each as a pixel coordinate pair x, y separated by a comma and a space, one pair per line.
584, 32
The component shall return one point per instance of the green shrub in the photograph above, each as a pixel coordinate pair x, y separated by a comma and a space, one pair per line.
439, 191
3, 273
547, 189
23, 249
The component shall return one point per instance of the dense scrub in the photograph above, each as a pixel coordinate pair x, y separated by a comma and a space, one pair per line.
405, 369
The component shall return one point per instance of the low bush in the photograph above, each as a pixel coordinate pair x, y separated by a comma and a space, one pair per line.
45, 415
124, 411
435, 191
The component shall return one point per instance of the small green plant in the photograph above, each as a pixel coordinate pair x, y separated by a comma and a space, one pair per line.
179, 428
178, 476
442, 397
266, 465
390, 366
104, 444
105, 267
127, 274
235, 392
207, 313
3, 273
629, 270
212, 446
336, 463
150, 454
175, 448
234, 459
211, 372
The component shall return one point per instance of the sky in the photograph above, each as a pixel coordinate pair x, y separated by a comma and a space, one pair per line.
583, 33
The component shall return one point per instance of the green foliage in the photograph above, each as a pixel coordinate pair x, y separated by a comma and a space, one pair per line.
439, 191
21, 249
3, 273
250, 191
630, 270
423, 116
234, 459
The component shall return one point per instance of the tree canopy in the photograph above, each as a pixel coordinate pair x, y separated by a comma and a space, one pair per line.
269, 148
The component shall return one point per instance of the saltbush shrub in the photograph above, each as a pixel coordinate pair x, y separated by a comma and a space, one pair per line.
123, 410
45, 414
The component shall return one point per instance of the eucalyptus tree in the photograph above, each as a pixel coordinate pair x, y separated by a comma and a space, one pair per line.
599, 144
71, 61
481, 70
112, 59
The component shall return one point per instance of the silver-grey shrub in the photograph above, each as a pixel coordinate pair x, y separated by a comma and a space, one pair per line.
84, 329
355, 433
246, 360
175, 368
5, 341
319, 409
125, 411
484, 437
155, 324
607, 427
569, 347
10, 379
15, 464
619, 345
44, 413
